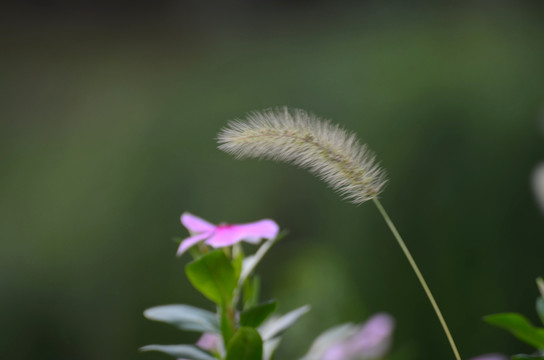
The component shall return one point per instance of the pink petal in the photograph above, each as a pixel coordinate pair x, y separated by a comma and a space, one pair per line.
336, 352
373, 339
378, 327
192, 240
209, 341
226, 235
490, 357
266, 229
223, 237
195, 224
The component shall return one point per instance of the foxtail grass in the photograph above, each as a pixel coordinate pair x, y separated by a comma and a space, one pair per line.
326, 150
297, 137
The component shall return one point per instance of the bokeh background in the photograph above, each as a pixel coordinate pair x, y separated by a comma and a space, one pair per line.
108, 114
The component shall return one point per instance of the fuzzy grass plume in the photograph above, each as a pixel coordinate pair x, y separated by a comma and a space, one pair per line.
328, 151
300, 138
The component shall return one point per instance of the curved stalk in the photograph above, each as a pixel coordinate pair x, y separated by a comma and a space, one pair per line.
418, 274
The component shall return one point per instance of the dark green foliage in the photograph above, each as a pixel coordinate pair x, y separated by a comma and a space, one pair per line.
520, 327
214, 276
246, 344
255, 316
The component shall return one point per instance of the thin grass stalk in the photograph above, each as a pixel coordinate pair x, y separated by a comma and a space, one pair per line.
420, 277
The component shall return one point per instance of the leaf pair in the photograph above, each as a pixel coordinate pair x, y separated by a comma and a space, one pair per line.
522, 329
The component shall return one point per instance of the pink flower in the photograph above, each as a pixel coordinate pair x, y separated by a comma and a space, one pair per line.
371, 340
225, 234
212, 343
490, 357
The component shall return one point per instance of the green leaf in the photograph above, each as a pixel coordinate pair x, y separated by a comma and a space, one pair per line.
276, 326
246, 344
214, 276
189, 352
184, 317
252, 287
255, 316
520, 327
540, 308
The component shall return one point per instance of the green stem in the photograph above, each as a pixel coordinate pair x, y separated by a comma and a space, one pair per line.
252, 262
418, 274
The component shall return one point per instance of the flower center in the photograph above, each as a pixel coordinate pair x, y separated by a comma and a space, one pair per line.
224, 226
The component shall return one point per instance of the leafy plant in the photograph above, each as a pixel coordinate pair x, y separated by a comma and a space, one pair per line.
241, 328
522, 329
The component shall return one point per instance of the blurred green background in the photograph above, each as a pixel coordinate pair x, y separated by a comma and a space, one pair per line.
108, 114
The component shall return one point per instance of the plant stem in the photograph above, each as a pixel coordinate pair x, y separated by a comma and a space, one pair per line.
418, 274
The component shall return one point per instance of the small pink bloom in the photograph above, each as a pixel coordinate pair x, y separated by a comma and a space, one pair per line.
225, 234
374, 338
210, 342
491, 357
371, 340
